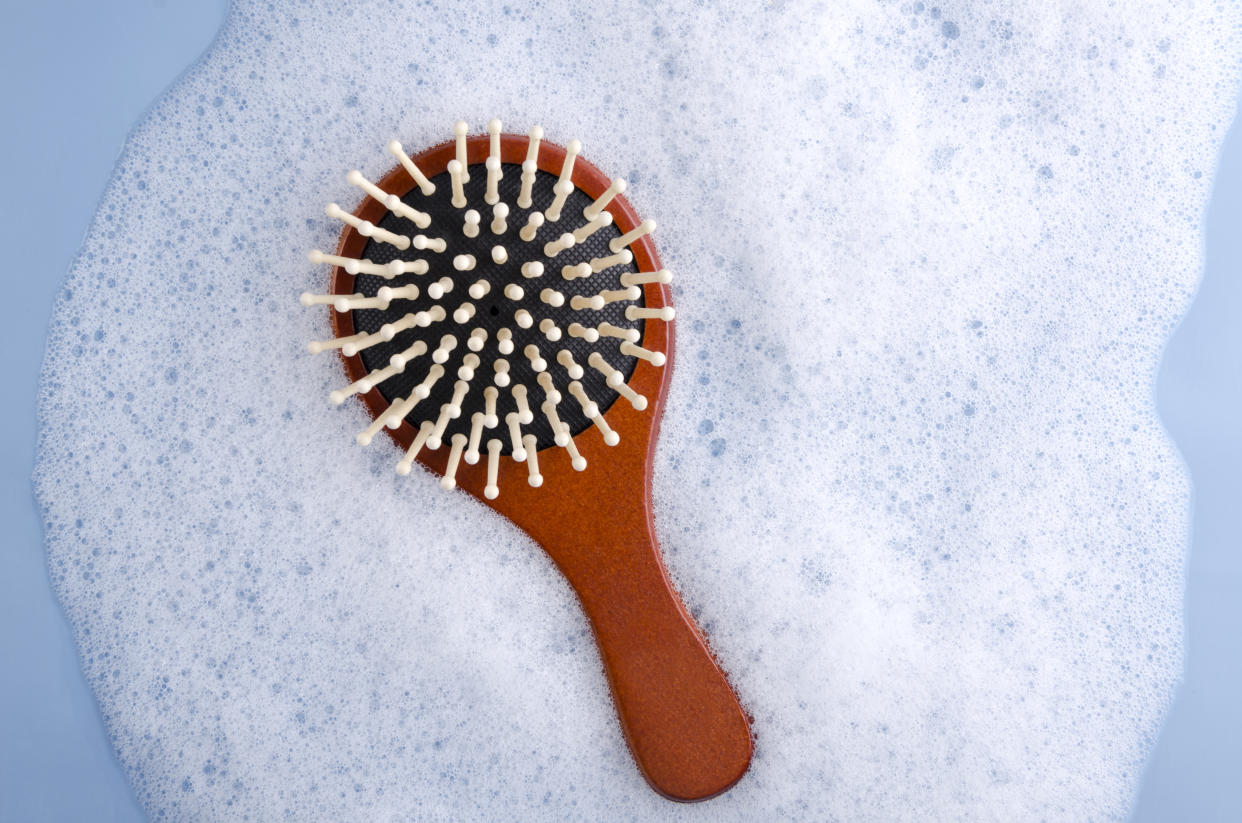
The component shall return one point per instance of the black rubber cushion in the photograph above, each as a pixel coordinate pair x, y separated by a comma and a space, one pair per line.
495, 311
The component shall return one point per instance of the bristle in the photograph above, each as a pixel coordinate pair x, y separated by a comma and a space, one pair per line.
436, 244
366, 228
616, 187
576, 271
504, 341
463, 313
459, 393
644, 228
492, 164
423, 390
501, 368
457, 172
403, 358
489, 406
544, 379
561, 192
525, 417
534, 478
492, 195
550, 329
317, 346
552, 297
611, 376
589, 407
609, 330
439, 288
447, 343
655, 358
434, 314
407, 462
529, 168
308, 299
642, 278
352, 266
460, 129
476, 433
390, 201
580, 302
470, 226
665, 313
532, 270
555, 247
564, 185
515, 436
621, 258
364, 384
408, 292
351, 302
437, 433
636, 400
465, 262
559, 431
514, 292
491, 490
523, 318
537, 363
583, 232
469, 364
576, 460
611, 438
385, 333
533, 222
621, 295
500, 213
364, 437
566, 359
396, 412
399, 267
479, 289
478, 337
449, 480
424, 185
499, 255
586, 333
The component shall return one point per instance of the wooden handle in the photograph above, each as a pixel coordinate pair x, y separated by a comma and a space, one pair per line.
685, 727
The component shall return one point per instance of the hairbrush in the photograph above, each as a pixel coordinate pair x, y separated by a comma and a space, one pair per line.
503, 315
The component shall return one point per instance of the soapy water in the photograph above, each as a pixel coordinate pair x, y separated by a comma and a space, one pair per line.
910, 481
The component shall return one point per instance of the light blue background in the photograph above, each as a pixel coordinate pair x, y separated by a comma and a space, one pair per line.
78, 77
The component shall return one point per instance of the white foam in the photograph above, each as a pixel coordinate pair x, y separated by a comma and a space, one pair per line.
911, 480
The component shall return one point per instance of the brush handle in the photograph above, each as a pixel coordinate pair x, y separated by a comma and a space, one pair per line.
683, 722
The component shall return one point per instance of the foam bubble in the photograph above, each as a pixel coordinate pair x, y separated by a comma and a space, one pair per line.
911, 481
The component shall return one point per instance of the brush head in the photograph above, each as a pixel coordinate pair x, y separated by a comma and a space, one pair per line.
518, 284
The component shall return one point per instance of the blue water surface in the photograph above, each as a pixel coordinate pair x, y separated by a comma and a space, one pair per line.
80, 74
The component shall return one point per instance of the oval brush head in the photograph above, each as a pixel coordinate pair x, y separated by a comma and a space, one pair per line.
502, 313
502, 305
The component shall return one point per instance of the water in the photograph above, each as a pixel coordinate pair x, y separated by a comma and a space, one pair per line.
911, 480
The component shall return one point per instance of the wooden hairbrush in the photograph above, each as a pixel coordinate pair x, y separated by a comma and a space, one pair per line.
497, 294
